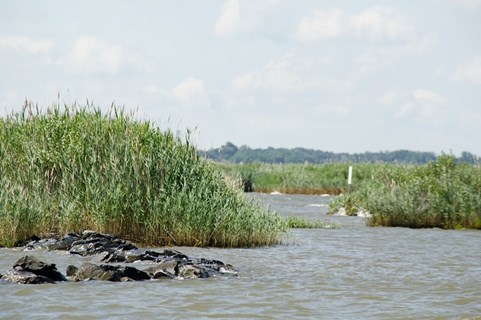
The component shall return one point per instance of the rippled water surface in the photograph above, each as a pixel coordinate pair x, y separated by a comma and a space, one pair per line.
352, 272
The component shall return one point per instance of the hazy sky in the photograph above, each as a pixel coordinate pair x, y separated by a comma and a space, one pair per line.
348, 76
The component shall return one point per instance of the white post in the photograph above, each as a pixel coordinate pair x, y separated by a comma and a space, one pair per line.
349, 176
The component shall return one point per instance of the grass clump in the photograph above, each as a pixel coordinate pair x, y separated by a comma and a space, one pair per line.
442, 193
300, 223
74, 168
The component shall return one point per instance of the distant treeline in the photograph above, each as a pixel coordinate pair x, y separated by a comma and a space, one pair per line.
244, 154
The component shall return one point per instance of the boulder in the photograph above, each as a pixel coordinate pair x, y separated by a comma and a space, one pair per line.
25, 277
165, 269
94, 243
105, 272
40, 268
90, 271
71, 271
40, 244
191, 271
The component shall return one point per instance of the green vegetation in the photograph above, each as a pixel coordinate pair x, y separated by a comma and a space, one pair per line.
300, 223
71, 168
329, 178
442, 193
244, 154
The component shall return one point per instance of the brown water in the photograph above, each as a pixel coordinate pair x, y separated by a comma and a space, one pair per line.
353, 272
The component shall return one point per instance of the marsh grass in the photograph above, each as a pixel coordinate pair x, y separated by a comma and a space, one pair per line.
300, 223
442, 193
305, 178
73, 168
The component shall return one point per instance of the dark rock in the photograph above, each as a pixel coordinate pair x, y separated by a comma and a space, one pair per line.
161, 274
122, 256
228, 269
165, 269
171, 264
105, 272
71, 271
174, 254
90, 271
190, 271
65, 243
40, 244
95, 243
23, 243
40, 268
133, 274
25, 277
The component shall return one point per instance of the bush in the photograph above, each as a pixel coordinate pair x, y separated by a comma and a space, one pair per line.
442, 193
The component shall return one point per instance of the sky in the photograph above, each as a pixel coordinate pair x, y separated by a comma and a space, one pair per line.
341, 76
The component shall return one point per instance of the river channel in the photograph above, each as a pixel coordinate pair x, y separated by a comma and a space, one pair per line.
348, 272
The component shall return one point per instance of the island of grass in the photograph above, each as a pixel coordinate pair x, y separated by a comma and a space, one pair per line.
74, 168
441, 194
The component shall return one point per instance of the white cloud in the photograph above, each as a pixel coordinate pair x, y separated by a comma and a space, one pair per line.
241, 16
191, 91
427, 96
320, 24
229, 21
275, 76
93, 55
286, 75
423, 106
379, 22
26, 44
374, 24
376, 57
470, 72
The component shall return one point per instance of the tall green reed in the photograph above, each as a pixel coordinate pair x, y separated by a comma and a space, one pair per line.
73, 168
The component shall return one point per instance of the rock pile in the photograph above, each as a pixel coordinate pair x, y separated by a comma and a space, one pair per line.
170, 264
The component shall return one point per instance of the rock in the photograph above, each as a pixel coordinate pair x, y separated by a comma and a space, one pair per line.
105, 272
65, 243
169, 264
23, 243
190, 271
40, 244
71, 271
25, 277
90, 271
95, 243
40, 268
163, 270
162, 274
51, 243
133, 274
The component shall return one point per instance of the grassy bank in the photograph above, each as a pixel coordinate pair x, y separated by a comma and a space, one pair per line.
71, 168
298, 178
442, 194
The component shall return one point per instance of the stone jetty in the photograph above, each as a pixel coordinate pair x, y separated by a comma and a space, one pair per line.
115, 256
